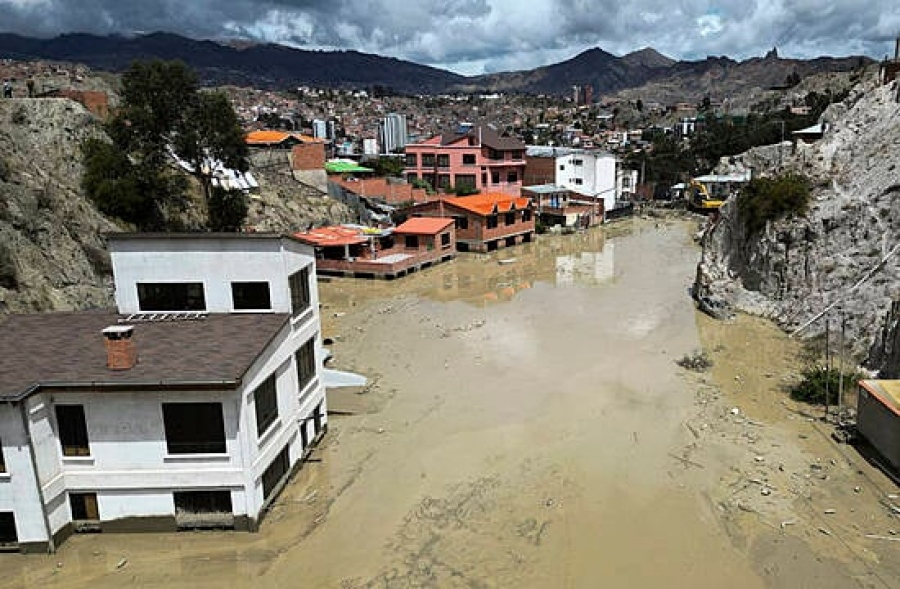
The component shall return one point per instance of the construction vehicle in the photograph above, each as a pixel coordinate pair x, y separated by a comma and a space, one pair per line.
708, 193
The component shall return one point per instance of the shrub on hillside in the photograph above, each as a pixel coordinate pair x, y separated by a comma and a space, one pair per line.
812, 388
769, 199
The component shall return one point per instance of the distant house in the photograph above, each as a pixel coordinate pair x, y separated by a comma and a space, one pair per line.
189, 407
556, 205
352, 250
878, 418
588, 172
484, 222
470, 156
280, 139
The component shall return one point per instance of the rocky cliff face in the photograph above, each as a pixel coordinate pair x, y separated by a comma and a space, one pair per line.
52, 252
839, 262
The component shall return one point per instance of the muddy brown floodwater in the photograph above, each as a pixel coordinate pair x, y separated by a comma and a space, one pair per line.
528, 426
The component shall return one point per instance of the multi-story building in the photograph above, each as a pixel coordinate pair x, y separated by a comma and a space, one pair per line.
484, 222
393, 133
190, 407
588, 172
470, 156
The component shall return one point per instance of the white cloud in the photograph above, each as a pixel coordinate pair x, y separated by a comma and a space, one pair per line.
473, 36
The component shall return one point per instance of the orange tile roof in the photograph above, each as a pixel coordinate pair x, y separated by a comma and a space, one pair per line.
424, 225
484, 204
269, 137
329, 236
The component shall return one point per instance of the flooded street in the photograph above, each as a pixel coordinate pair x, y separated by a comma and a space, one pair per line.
527, 426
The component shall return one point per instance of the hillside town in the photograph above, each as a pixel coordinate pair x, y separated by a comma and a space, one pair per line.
452, 324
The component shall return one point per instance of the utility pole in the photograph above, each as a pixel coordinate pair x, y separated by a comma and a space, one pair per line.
827, 364
841, 370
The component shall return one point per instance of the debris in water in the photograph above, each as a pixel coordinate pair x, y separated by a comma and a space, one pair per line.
698, 361
122, 563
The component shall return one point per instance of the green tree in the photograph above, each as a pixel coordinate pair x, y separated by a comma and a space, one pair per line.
163, 113
227, 209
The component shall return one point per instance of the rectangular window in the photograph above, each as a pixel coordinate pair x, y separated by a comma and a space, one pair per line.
526, 215
626, 182
465, 181
443, 181
427, 160
577, 162
202, 502
445, 240
411, 241
443, 160
517, 155
73, 437
462, 222
495, 177
468, 159
509, 218
84, 506
562, 167
579, 181
512, 177
8, 535
275, 472
306, 363
194, 428
299, 285
492, 221
174, 296
411, 160
265, 398
251, 296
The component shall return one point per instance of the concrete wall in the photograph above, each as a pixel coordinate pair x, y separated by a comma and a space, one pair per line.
18, 487
880, 426
212, 261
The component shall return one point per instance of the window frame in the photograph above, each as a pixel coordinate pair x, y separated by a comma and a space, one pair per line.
469, 159
195, 446
491, 222
305, 362
265, 404
300, 280
191, 301
244, 298
64, 427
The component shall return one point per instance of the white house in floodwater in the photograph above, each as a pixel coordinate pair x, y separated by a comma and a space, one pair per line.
190, 407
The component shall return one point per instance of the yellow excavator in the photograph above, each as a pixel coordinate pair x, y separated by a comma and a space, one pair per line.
708, 193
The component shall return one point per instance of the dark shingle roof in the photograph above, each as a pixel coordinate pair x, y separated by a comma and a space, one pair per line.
67, 349
488, 137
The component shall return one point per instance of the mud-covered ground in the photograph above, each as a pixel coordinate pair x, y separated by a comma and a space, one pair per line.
527, 425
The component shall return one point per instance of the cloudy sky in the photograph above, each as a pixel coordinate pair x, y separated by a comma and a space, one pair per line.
477, 36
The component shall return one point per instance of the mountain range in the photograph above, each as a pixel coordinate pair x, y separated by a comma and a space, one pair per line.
265, 65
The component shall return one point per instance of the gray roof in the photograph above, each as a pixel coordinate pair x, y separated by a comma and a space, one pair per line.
66, 350
545, 188
487, 135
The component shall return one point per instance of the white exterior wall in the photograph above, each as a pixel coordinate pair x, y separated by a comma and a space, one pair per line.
294, 407
18, 491
215, 262
596, 172
629, 186
129, 467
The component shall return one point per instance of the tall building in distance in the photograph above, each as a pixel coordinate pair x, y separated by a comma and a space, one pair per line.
320, 129
392, 133
583, 95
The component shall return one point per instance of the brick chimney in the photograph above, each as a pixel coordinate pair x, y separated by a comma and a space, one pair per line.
120, 351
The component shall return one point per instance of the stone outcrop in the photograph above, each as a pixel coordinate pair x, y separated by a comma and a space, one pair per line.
840, 261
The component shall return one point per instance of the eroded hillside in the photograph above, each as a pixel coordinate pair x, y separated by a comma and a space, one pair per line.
52, 250
843, 255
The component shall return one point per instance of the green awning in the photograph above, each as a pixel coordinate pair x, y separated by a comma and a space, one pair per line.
345, 168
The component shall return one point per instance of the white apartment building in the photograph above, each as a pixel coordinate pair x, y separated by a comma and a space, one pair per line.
190, 407
393, 133
589, 172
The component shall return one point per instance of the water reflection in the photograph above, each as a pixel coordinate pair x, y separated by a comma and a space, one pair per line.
585, 258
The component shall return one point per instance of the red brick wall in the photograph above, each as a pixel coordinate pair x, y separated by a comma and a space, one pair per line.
539, 170
308, 156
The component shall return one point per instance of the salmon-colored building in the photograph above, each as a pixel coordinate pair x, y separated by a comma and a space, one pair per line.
484, 222
350, 250
476, 157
